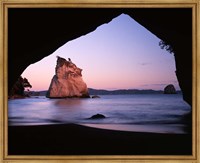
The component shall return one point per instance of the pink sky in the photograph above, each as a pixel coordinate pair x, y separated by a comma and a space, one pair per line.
119, 55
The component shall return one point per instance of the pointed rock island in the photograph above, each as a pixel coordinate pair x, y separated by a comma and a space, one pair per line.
67, 82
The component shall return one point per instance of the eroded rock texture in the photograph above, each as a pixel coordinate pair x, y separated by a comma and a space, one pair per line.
67, 81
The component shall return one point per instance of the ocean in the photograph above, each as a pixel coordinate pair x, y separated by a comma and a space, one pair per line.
157, 113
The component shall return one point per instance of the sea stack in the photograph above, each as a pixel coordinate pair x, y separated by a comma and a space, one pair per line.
67, 81
170, 89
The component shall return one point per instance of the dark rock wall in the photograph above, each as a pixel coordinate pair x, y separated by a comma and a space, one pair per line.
36, 33
18, 88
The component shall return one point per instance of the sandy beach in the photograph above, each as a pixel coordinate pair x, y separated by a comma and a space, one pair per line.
73, 139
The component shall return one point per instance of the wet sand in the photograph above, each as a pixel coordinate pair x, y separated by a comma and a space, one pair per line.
73, 139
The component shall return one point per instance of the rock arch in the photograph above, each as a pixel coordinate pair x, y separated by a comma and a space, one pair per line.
34, 33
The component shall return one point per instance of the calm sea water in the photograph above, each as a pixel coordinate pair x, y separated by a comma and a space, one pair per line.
142, 112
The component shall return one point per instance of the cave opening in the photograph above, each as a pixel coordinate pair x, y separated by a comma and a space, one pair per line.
41, 43
45, 40
118, 55
122, 49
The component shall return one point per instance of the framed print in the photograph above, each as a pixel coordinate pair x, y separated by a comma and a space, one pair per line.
99, 81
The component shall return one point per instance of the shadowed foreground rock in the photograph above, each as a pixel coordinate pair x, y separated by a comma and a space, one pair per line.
95, 96
67, 82
17, 90
97, 116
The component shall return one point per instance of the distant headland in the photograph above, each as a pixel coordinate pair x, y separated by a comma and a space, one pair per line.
110, 92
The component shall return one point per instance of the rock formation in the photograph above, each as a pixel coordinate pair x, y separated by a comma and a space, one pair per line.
97, 116
95, 96
170, 89
17, 90
67, 82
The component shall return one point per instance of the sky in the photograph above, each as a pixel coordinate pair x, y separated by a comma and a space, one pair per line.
119, 55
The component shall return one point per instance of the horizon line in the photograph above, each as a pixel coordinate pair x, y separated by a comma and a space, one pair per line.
108, 89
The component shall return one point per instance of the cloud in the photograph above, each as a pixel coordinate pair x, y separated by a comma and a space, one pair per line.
144, 63
147, 85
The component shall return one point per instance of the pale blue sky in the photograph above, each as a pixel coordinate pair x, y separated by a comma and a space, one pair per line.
119, 55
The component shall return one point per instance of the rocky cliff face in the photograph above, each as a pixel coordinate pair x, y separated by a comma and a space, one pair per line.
17, 90
170, 89
67, 82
